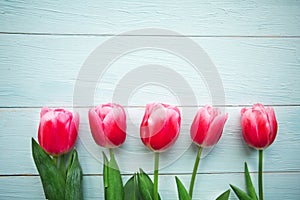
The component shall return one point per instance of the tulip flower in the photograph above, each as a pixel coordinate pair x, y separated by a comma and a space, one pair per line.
159, 130
207, 127
58, 130
259, 128
160, 126
108, 125
206, 130
60, 172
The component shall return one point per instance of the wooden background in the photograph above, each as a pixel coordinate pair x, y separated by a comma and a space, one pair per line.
255, 46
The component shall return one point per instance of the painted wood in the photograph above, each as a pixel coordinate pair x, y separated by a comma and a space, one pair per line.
253, 44
42, 70
207, 187
215, 18
281, 156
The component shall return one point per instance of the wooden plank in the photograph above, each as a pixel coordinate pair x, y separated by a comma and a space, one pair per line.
215, 18
254, 45
42, 70
19, 125
207, 186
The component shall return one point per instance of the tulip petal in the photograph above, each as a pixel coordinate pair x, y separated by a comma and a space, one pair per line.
96, 128
263, 128
156, 120
115, 136
194, 127
146, 115
258, 107
200, 125
103, 110
47, 132
167, 136
73, 130
63, 123
119, 117
273, 124
44, 111
243, 110
153, 122
249, 128
215, 130
76, 120
144, 134
144, 129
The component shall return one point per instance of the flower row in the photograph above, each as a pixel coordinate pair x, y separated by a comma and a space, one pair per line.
60, 171
159, 128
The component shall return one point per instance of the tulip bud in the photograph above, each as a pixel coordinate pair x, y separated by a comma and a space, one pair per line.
160, 126
58, 130
259, 126
108, 125
207, 126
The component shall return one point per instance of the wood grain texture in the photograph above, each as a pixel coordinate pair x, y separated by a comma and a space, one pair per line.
254, 45
228, 156
208, 186
42, 70
214, 18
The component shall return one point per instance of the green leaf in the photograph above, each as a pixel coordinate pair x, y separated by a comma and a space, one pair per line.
74, 178
52, 178
224, 196
240, 193
250, 188
112, 180
182, 193
146, 186
131, 189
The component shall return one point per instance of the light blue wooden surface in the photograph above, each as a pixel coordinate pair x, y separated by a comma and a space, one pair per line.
255, 46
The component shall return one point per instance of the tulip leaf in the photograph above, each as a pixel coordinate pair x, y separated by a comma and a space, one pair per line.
112, 180
240, 193
250, 188
52, 178
224, 196
131, 189
182, 192
146, 186
74, 178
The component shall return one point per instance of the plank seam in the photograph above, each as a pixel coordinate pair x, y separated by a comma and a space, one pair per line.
168, 174
182, 106
145, 35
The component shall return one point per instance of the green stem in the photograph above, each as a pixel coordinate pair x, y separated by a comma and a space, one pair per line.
156, 163
55, 160
260, 178
60, 162
195, 172
111, 152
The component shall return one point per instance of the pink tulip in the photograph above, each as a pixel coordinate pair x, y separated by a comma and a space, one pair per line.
207, 127
58, 130
108, 125
160, 126
259, 126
